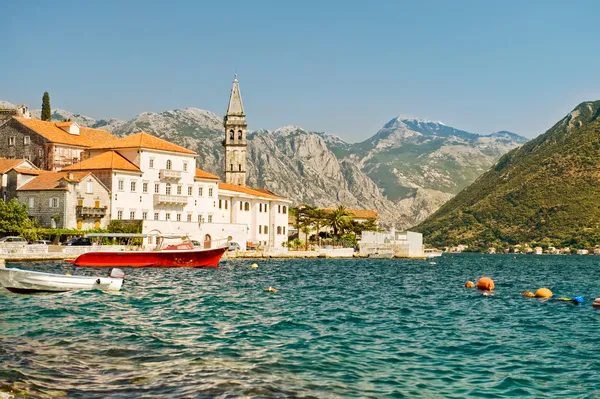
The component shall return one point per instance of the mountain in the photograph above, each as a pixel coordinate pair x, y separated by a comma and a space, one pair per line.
405, 171
62, 114
544, 192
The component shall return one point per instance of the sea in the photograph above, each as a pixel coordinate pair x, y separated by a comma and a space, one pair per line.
336, 328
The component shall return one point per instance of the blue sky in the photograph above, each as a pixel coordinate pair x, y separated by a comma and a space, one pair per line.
344, 67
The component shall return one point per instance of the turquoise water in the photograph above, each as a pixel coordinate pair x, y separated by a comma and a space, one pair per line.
337, 328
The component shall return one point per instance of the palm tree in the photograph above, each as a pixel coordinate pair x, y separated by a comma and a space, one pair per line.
339, 220
319, 219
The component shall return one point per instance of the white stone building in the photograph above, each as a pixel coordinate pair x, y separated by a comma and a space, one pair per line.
406, 244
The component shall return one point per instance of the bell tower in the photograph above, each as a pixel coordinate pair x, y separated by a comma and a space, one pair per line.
235, 138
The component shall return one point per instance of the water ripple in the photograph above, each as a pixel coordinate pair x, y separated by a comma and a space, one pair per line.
336, 329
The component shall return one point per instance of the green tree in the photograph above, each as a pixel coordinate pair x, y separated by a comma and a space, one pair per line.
14, 219
46, 112
318, 219
339, 220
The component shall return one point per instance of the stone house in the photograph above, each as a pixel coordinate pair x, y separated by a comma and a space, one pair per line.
5, 166
72, 200
48, 145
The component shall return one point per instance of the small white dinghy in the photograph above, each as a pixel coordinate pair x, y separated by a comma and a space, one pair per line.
26, 281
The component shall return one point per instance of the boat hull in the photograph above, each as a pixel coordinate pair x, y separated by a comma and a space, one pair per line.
25, 281
178, 258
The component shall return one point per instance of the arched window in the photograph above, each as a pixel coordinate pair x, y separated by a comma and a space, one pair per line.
278, 229
284, 209
231, 135
247, 206
169, 164
239, 134
240, 167
168, 189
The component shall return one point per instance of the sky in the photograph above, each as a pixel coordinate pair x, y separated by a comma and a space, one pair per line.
342, 67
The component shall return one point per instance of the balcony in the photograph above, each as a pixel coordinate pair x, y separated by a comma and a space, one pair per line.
170, 199
86, 212
170, 174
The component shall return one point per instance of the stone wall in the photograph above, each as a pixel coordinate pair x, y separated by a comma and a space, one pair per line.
35, 151
41, 209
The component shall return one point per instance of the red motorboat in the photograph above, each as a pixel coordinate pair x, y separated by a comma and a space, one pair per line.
184, 254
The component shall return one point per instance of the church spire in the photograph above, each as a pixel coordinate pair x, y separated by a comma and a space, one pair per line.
235, 142
236, 108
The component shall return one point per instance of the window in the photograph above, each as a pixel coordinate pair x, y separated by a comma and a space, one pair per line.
260, 207
121, 185
31, 202
80, 202
189, 217
190, 190
220, 204
210, 192
284, 210
231, 135
119, 215
88, 187
200, 191
226, 204
54, 202
240, 167
168, 189
239, 134
232, 167
266, 229
151, 162
156, 188
132, 215
96, 204
266, 207
278, 208
167, 216
169, 164
199, 218
247, 206
209, 218
144, 187
26, 140
179, 217
133, 186
178, 190
278, 229
11, 140
185, 166
144, 215
259, 229
40, 152
241, 206
156, 215
283, 229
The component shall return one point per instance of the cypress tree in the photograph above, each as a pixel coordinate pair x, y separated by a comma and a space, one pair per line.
46, 113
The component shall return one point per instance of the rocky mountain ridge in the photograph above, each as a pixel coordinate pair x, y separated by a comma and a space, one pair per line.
405, 171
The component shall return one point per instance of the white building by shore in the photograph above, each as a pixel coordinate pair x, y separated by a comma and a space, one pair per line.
406, 244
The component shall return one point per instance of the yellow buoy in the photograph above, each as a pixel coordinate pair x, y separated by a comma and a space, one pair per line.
486, 284
469, 284
254, 265
543, 293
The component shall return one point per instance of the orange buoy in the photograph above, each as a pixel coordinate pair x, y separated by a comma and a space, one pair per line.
528, 294
469, 284
596, 303
486, 284
543, 293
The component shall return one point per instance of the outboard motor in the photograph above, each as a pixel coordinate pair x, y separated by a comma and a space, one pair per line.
116, 273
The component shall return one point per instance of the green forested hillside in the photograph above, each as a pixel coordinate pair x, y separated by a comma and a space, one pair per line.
546, 192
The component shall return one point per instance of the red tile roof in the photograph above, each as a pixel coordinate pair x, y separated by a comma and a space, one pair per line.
8, 164
51, 131
248, 190
106, 160
50, 181
25, 171
142, 140
205, 175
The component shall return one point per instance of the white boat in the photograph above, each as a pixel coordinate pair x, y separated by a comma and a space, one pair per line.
432, 253
26, 281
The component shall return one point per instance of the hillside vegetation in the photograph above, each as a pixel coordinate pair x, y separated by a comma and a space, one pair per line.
545, 192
